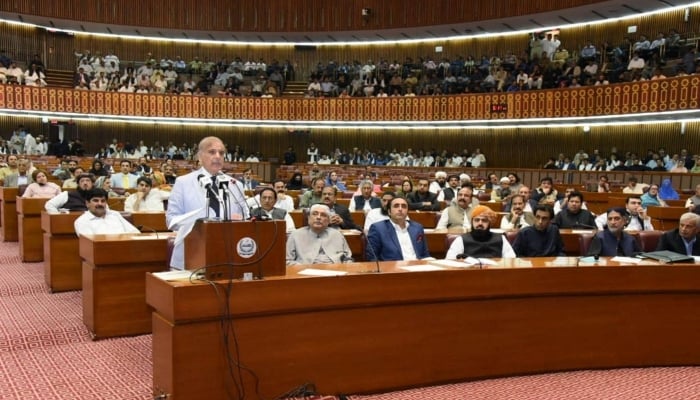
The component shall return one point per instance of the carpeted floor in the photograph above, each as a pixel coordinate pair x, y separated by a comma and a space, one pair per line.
46, 353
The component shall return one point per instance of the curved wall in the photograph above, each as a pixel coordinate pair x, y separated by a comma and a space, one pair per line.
283, 15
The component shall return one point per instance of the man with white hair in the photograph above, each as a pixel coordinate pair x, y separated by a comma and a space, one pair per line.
683, 239
315, 243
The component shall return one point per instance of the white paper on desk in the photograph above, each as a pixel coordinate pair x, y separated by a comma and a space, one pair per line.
498, 230
144, 237
450, 263
422, 268
173, 275
626, 260
696, 258
479, 261
321, 272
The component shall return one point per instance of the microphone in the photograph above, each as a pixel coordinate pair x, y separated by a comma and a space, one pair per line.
239, 197
207, 185
141, 227
579, 224
374, 254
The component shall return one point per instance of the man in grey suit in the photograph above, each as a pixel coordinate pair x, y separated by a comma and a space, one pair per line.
21, 177
189, 194
124, 179
315, 243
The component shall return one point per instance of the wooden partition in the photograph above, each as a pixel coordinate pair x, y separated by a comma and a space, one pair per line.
31, 245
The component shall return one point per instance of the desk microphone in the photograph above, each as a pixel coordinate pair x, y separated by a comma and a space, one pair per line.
578, 224
374, 254
239, 197
141, 227
207, 185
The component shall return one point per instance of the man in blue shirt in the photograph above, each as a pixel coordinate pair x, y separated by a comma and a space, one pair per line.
541, 239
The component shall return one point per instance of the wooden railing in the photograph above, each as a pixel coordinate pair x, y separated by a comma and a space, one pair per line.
672, 94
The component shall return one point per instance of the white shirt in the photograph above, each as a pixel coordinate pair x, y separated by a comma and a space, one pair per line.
152, 202
634, 224
374, 215
407, 250
457, 248
111, 223
507, 225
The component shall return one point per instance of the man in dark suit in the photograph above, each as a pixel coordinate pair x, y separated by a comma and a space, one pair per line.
422, 199
684, 239
248, 182
383, 239
340, 214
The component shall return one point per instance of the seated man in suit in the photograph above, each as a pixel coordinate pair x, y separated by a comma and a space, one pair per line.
541, 239
480, 242
396, 238
684, 239
422, 199
315, 243
124, 179
339, 214
98, 219
365, 201
21, 177
613, 240
248, 182
268, 210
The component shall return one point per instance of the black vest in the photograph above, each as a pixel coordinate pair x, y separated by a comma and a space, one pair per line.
76, 202
488, 249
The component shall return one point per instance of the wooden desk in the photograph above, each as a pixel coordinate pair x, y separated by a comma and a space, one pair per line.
62, 265
8, 213
358, 333
31, 245
666, 218
113, 281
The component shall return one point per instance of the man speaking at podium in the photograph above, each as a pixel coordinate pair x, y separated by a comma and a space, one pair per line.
196, 195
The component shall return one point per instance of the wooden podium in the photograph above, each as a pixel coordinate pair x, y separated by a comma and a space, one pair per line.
62, 265
31, 246
228, 249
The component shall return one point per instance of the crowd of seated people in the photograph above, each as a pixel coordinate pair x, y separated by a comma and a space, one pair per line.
653, 160
11, 73
197, 77
545, 64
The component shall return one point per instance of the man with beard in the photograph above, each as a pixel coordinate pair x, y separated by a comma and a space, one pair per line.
518, 217
313, 196
481, 242
450, 191
573, 216
98, 219
683, 239
541, 239
422, 199
439, 183
614, 241
458, 214
72, 200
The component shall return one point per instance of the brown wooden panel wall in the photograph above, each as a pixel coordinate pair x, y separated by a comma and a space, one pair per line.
282, 15
506, 148
672, 94
57, 50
